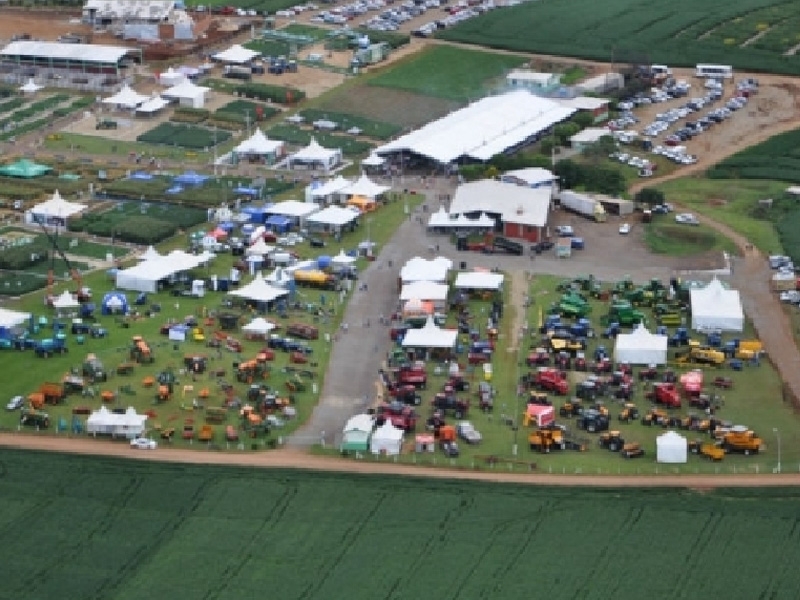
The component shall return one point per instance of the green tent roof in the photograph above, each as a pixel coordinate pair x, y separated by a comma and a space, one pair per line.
24, 168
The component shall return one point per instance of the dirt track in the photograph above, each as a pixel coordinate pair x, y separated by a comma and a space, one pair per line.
291, 459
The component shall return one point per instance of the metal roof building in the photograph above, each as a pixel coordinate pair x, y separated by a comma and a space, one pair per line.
86, 58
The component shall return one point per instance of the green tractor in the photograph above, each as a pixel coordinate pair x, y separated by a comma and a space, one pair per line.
624, 314
34, 418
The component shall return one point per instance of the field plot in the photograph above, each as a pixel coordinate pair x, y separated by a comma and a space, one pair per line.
777, 159
681, 33
146, 530
345, 121
300, 137
448, 72
185, 136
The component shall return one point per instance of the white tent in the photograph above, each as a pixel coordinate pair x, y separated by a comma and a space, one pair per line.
65, 300
327, 189
236, 54
258, 326
671, 448
420, 269
315, 155
425, 291
478, 280
640, 347
387, 440
150, 254
280, 277
342, 260
714, 307
356, 433
12, 318
127, 97
373, 160
153, 105
104, 422
293, 209
365, 187
260, 248
187, 94
333, 217
31, 87
259, 145
145, 276
430, 336
259, 291
55, 208
171, 77
443, 220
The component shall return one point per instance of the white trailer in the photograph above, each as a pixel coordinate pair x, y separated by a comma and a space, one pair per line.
582, 204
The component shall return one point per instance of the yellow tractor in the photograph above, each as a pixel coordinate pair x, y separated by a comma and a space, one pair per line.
710, 451
741, 439
611, 440
696, 353
655, 416
545, 440
629, 413
632, 450
571, 408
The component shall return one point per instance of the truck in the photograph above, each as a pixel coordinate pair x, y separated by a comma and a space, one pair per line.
508, 245
583, 205
551, 380
242, 73
316, 279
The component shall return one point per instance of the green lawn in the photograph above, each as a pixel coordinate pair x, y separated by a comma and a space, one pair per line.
149, 529
664, 236
448, 72
369, 128
110, 149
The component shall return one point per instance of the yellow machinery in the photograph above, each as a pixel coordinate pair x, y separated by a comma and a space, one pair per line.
741, 439
545, 440
696, 353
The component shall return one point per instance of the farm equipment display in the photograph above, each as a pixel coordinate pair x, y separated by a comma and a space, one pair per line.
538, 357
708, 450
696, 353
448, 403
93, 369
740, 439
623, 313
656, 416
401, 416
316, 279
412, 375
571, 408
628, 413
593, 421
34, 418
303, 331
611, 441
632, 450
206, 433
547, 439
551, 380
140, 351
231, 434
188, 430
665, 394
48, 347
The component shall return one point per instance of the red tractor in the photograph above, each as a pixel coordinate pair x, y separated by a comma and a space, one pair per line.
538, 357
410, 375
401, 416
449, 403
407, 394
666, 394
551, 380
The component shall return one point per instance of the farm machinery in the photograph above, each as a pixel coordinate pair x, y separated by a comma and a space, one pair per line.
611, 441
665, 394
449, 403
706, 449
48, 393
140, 351
34, 418
695, 353
166, 385
48, 347
632, 450
740, 439
550, 380
593, 421
656, 416
623, 313
93, 369
628, 413
547, 439
401, 416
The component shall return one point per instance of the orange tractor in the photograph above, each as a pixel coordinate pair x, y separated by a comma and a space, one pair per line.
140, 351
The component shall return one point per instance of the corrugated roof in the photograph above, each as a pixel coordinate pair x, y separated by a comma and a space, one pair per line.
515, 203
78, 52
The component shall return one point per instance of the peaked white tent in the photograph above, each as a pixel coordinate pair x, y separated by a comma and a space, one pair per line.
315, 155
641, 347
714, 307
356, 433
260, 248
373, 160
187, 94
280, 277
54, 208
153, 105
236, 55
258, 326
104, 422
444, 220
430, 336
420, 269
259, 290
425, 291
365, 187
146, 276
387, 440
342, 260
12, 318
127, 97
65, 300
30, 87
671, 448
171, 77
259, 145
150, 254
332, 218
328, 189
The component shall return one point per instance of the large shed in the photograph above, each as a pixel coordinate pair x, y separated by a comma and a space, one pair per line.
85, 58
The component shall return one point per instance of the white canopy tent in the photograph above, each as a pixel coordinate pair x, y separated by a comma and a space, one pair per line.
293, 208
153, 105
127, 97
716, 308
259, 145
259, 290
332, 218
30, 87
342, 260
145, 276
258, 326
373, 160
12, 318
478, 280
65, 300
420, 269
236, 55
54, 208
327, 190
356, 433
150, 254
425, 291
260, 248
365, 187
315, 155
387, 439
187, 94
104, 422
430, 336
671, 448
281, 277
641, 347
171, 77
443, 220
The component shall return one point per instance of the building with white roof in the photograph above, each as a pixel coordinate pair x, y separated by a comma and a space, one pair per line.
531, 80
587, 137
531, 177
84, 58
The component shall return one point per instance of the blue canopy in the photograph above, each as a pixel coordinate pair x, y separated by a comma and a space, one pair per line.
175, 189
190, 178
141, 176
245, 191
227, 226
279, 222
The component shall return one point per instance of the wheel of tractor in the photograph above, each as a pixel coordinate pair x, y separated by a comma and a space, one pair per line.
591, 428
46, 423
613, 447
458, 414
747, 451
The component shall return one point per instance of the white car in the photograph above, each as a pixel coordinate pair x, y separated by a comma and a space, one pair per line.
564, 231
687, 219
625, 228
141, 443
468, 433
15, 403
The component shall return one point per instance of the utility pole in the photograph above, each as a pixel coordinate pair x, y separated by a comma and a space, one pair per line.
215, 150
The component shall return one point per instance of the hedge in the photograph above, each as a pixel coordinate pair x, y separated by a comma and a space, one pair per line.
270, 93
185, 136
139, 229
18, 258
185, 114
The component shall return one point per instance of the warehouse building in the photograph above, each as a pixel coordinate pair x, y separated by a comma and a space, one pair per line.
32, 59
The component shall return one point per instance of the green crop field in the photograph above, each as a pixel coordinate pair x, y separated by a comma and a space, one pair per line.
778, 158
184, 136
756, 35
448, 72
301, 137
140, 530
664, 236
345, 121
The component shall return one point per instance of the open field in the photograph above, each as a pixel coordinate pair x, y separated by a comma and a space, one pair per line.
142, 530
664, 236
777, 159
680, 33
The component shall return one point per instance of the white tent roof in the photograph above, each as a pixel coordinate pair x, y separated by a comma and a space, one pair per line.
671, 448
154, 104
150, 254
30, 87
259, 325
373, 160
103, 417
364, 186
531, 175
333, 215
12, 318
65, 300
483, 129
343, 259
171, 77
332, 186
514, 203
441, 218
424, 290
714, 307
420, 269
259, 290
127, 97
145, 276
293, 208
95, 53
430, 336
479, 280
280, 277
185, 89
57, 207
315, 152
258, 143
236, 54
362, 422
387, 439
260, 248
641, 347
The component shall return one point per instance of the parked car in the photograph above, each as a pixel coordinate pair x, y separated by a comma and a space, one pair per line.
15, 403
687, 219
316, 242
624, 229
564, 231
467, 432
141, 443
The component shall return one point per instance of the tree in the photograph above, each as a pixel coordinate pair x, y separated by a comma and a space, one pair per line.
649, 196
565, 131
569, 172
583, 119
